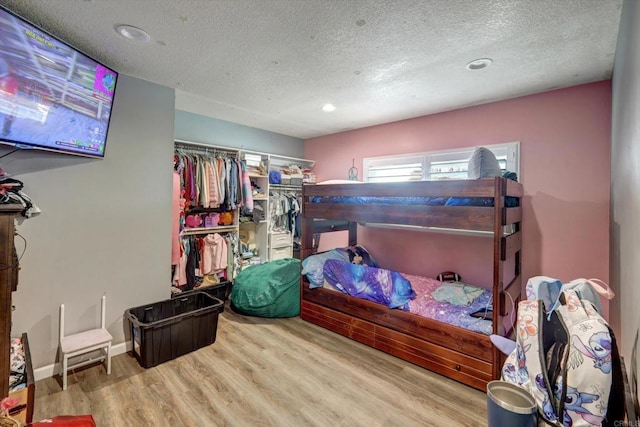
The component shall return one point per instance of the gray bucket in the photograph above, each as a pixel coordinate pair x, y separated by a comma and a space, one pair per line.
510, 406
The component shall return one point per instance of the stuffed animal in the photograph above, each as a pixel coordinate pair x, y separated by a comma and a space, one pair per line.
359, 255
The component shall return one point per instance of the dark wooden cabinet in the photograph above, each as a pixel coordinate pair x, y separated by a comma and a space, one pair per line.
8, 283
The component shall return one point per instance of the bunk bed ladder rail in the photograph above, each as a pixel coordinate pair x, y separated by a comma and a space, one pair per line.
505, 247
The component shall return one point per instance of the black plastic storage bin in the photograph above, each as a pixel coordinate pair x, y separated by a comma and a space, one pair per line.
167, 329
220, 291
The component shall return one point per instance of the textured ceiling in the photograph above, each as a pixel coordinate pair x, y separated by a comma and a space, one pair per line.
272, 64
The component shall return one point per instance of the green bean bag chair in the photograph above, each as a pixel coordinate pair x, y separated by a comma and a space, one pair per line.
271, 289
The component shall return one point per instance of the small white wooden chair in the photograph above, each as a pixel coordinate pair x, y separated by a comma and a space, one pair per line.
83, 343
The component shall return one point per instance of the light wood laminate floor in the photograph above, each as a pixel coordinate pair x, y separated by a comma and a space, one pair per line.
266, 372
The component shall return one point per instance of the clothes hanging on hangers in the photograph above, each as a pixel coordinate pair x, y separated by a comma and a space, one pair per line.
233, 249
284, 211
214, 254
201, 256
212, 180
213, 183
175, 219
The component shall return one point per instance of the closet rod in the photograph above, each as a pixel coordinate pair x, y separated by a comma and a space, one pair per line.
203, 150
195, 145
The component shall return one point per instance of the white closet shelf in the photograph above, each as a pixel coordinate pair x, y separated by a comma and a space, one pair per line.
203, 230
286, 187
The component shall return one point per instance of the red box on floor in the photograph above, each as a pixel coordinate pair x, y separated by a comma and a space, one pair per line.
66, 421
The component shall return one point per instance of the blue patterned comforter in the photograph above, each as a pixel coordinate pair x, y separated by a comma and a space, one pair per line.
382, 286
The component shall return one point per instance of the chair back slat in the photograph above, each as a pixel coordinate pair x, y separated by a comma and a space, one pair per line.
61, 321
103, 311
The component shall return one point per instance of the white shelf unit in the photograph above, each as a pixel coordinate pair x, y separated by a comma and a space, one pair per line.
271, 243
207, 230
258, 167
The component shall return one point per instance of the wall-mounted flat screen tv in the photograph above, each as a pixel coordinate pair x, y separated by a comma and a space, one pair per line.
52, 96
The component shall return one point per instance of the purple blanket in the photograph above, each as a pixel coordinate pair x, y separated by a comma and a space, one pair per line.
374, 284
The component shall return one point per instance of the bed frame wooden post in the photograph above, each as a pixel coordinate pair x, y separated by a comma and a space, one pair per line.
506, 297
353, 233
306, 238
498, 285
306, 241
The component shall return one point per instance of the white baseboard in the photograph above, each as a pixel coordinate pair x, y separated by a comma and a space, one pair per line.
53, 369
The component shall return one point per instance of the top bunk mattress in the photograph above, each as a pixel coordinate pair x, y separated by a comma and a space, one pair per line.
413, 201
425, 193
466, 205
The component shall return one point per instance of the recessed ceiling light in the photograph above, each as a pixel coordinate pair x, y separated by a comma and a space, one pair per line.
479, 64
133, 33
328, 108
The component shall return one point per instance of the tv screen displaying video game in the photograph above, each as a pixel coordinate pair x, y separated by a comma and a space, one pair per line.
52, 96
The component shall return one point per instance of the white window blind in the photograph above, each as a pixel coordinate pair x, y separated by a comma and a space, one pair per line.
395, 169
436, 165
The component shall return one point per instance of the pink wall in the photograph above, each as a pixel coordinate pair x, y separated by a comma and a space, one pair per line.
565, 139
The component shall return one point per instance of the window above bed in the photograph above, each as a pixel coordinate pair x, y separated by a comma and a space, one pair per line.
436, 165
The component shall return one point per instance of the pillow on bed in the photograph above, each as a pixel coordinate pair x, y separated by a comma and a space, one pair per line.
374, 284
483, 164
312, 265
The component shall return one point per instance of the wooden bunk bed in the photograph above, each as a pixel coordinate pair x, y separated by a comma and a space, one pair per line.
460, 354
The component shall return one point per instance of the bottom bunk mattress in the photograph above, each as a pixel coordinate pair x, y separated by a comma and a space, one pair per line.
456, 303
421, 320
455, 352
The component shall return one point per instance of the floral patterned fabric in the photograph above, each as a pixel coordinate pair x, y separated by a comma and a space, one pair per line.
424, 304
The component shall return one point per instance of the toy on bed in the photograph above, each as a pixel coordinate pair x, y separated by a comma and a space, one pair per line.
312, 266
359, 255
